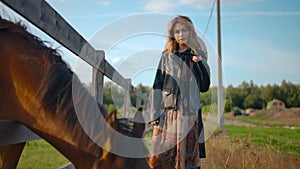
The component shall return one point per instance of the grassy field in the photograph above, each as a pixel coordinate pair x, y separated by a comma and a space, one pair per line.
285, 141
273, 143
240, 147
268, 145
40, 155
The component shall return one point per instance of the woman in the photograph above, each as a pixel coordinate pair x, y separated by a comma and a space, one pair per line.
182, 73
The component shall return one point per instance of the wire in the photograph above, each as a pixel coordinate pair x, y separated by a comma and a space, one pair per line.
211, 12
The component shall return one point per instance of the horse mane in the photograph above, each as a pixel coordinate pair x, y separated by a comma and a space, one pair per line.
21, 30
57, 93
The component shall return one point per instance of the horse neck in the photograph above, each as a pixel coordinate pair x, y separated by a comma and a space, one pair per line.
25, 74
62, 129
82, 151
80, 157
64, 124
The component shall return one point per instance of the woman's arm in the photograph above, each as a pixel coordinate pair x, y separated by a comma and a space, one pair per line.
202, 70
156, 93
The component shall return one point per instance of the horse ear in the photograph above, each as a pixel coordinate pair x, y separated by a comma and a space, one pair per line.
138, 117
103, 110
139, 124
111, 118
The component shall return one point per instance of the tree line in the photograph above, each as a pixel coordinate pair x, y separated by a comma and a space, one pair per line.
246, 95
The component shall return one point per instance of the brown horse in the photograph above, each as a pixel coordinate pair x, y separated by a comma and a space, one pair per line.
36, 90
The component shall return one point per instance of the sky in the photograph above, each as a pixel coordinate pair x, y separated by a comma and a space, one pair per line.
260, 38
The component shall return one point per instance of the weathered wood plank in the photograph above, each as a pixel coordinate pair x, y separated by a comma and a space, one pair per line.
12, 132
42, 15
98, 82
138, 102
139, 94
127, 100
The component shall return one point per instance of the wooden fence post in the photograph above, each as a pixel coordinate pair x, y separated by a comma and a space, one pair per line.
146, 104
98, 79
138, 102
12, 132
127, 99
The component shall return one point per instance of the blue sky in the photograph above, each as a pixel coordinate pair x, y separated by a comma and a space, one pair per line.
260, 38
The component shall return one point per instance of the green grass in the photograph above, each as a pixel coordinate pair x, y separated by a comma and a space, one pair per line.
286, 141
40, 155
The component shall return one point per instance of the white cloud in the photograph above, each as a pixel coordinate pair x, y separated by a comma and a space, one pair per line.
104, 3
61, 1
168, 5
198, 4
116, 60
160, 6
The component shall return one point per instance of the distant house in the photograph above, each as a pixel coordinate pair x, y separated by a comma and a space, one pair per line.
275, 103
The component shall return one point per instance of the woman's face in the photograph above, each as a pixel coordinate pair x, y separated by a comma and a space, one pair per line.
181, 34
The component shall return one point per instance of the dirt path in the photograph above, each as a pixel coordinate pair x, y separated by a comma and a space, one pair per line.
238, 123
241, 123
214, 119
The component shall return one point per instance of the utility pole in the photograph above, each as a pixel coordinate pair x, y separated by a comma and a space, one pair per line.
220, 84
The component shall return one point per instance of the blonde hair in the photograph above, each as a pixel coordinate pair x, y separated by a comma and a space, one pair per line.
194, 42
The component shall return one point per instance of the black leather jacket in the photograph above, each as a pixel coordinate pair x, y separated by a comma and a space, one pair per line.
172, 83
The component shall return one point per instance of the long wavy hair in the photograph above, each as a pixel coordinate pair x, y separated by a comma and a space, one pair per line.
194, 41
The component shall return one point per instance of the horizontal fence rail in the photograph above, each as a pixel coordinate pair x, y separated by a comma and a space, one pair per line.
12, 132
44, 17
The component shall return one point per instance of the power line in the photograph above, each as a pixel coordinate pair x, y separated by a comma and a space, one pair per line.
210, 15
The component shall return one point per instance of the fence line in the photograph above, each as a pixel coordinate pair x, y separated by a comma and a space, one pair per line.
44, 17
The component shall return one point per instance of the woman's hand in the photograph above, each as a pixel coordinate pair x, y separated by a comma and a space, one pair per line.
197, 58
154, 122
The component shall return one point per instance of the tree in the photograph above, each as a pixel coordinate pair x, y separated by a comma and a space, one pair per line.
266, 93
107, 96
246, 95
290, 93
206, 98
253, 100
143, 89
227, 106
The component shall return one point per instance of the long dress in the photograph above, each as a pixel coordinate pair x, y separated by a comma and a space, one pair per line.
175, 138
179, 148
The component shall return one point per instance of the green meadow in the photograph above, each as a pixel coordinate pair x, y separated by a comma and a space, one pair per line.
271, 143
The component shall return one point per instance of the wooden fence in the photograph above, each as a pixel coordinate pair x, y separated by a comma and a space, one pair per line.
43, 16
